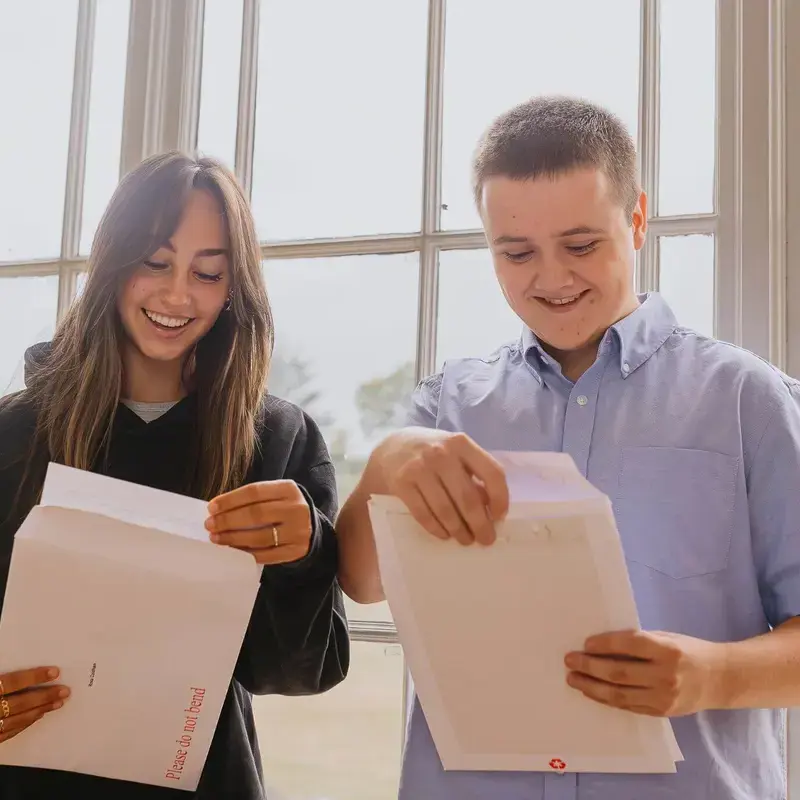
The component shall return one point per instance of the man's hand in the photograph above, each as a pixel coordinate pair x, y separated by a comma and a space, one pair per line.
657, 674
451, 486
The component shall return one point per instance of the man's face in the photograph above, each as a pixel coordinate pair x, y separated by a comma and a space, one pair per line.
564, 253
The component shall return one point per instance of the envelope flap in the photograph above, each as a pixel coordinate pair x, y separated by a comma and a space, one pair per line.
544, 477
65, 487
110, 540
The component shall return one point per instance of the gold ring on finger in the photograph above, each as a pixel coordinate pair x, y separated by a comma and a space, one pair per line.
276, 539
6, 707
2, 725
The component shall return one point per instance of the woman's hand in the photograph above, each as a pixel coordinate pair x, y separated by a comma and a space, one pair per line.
271, 520
25, 698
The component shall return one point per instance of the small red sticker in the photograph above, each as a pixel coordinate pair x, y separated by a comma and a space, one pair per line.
557, 765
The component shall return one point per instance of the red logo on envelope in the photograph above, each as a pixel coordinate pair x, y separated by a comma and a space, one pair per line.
557, 765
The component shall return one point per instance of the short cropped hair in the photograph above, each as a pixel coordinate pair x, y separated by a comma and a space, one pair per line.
550, 136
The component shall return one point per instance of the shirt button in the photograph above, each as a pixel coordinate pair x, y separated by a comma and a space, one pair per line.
626, 367
582, 400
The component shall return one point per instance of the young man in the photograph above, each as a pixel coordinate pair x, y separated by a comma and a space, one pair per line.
697, 443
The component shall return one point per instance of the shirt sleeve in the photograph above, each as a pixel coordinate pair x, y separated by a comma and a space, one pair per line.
773, 486
297, 641
424, 405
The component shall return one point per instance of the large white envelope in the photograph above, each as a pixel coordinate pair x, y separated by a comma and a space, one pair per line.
118, 585
485, 629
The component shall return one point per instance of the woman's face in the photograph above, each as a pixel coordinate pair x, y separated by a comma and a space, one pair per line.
174, 298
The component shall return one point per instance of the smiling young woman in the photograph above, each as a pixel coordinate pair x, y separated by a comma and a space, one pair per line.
157, 375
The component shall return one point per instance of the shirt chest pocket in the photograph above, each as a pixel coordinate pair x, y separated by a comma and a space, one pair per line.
674, 508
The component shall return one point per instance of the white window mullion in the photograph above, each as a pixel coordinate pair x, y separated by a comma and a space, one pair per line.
431, 191
248, 86
345, 246
647, 266
743, 294
144, 83
192, 75
777, 184
683, 225
29, 269
728, 258
162, 77
460, 240
786, 27
792, 182
428, 309
79, 128
404, 243
76, 161
135, 89
156, 80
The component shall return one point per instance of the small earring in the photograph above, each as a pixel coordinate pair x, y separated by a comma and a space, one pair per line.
228, 303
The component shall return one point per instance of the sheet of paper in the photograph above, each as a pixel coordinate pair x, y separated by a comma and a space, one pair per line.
146, 624
129, 502
485, 630
544, 478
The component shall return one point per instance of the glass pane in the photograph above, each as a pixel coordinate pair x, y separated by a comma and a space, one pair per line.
474, 318
37, 58
517, 50
219, 88
27, 316
105, 113
345, 343
339, 118
686, 269
341, 745
688, 113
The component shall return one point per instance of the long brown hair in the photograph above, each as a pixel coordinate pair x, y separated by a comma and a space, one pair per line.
77, 389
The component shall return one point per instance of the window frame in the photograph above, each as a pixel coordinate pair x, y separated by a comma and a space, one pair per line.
756, 212
70, 263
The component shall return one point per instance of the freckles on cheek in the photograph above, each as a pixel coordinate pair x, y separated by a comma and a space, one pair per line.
136, 288
132, 296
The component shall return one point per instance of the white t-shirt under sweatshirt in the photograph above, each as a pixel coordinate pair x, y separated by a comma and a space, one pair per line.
149, 411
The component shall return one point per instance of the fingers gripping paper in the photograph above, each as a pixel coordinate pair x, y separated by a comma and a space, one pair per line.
118, 585
485, 630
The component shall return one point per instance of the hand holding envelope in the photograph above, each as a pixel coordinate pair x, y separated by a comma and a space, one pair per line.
556, 576
649, 672
455, 489
117, 585
271, 520
26, 696
452, 487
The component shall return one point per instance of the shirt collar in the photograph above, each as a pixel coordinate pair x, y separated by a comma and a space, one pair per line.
635, 338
